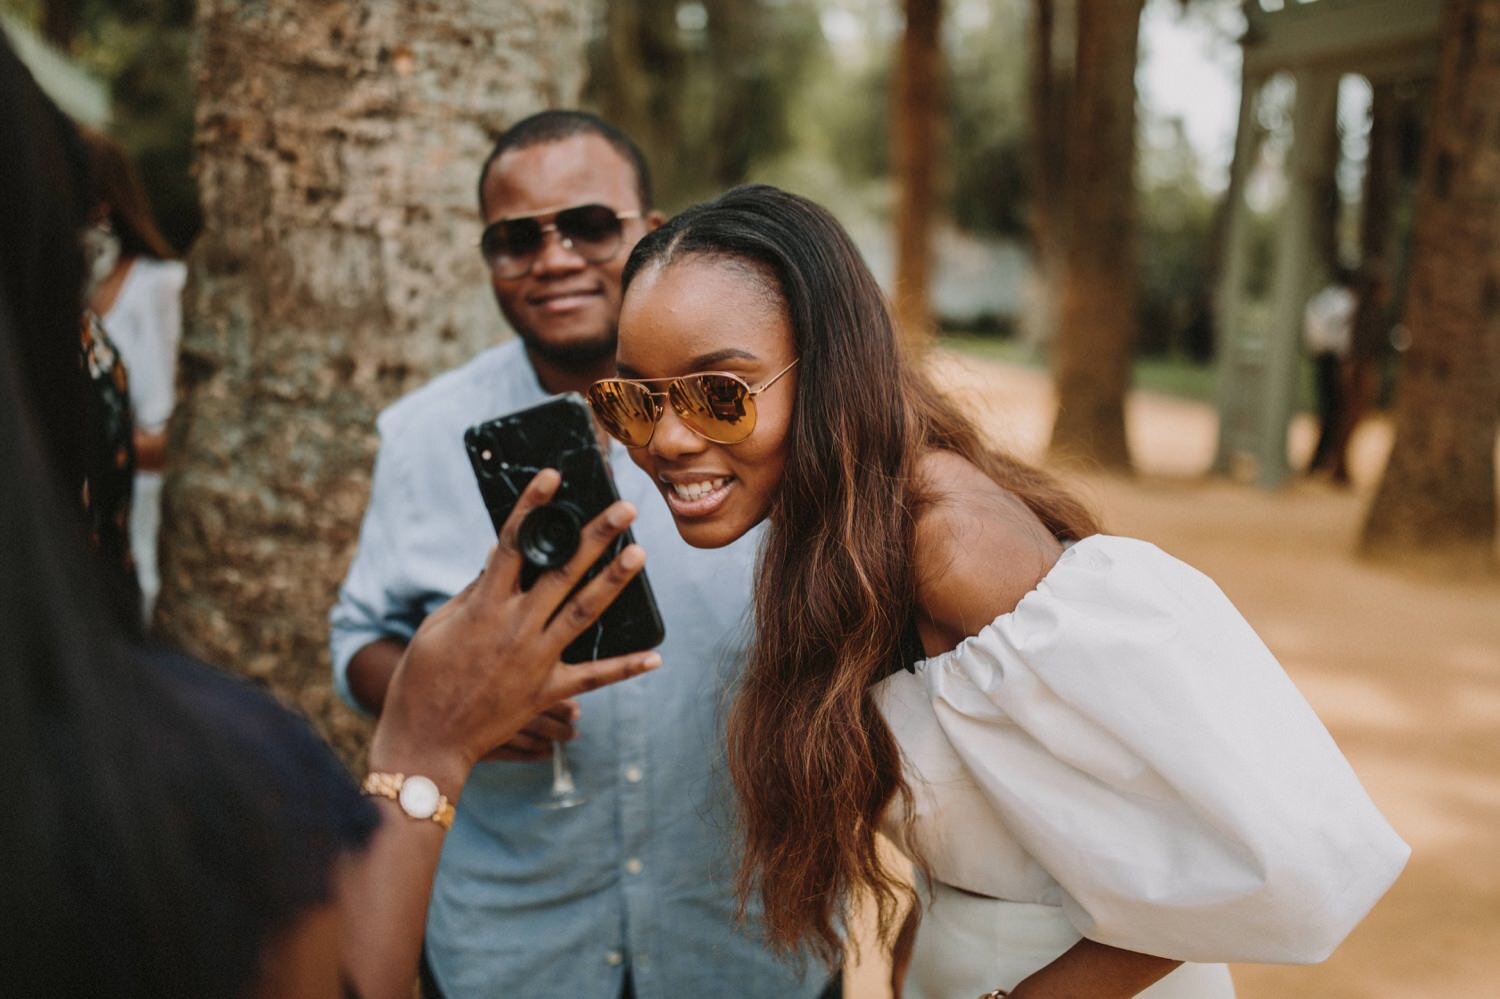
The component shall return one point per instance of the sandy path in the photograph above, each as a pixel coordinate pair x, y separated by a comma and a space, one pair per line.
1405, 671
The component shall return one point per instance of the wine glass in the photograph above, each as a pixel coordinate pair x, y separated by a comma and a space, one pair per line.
564, 793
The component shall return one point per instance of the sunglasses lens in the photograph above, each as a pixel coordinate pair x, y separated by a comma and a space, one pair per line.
510, 245
626, 411
717, 406
593, 230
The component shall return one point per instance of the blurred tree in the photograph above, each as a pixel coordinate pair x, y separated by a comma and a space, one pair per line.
338, 148
1099, 292
705, 87
1437, 497
918, 134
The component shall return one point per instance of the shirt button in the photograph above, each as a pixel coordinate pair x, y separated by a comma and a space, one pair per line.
634, 866
633, 775
614, 959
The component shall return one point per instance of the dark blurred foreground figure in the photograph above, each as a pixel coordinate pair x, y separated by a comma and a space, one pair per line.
170, 830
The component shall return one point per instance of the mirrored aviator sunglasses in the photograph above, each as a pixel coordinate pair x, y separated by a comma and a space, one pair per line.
595, 232
715, 405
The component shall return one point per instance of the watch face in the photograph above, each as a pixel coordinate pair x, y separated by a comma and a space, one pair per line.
419, 797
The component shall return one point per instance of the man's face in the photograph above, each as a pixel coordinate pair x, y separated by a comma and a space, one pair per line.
564, 308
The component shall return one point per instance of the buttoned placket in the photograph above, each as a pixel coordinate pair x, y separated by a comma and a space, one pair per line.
632, 720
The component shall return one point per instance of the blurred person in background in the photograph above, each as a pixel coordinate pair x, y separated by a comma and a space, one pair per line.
1327, 335
170, 830
629, 893
135, 288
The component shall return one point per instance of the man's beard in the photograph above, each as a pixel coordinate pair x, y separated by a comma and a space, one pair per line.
578, 355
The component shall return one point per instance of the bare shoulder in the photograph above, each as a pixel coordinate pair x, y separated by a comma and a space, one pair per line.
979, 548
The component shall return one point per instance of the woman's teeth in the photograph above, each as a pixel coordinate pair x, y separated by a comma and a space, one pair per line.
697, 490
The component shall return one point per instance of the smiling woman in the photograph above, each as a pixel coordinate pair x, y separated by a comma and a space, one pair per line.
1098, 767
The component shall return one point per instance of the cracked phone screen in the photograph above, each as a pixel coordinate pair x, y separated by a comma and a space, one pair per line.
508, 451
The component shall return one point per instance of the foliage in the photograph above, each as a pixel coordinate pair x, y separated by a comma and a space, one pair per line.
706, 87
1177, 233
141, 48
988, 158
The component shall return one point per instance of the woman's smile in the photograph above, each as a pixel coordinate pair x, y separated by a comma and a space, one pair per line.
696, 496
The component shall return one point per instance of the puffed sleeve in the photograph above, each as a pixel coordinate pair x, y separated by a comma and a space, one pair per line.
1140, 741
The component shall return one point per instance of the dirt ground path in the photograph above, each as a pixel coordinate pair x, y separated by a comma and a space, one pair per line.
1404, 670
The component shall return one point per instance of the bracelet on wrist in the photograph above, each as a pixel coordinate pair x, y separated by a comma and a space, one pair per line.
418, 796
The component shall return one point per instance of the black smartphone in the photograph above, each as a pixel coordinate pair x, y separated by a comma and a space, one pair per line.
506, 453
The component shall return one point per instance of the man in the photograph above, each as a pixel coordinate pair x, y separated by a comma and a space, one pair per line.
627, 894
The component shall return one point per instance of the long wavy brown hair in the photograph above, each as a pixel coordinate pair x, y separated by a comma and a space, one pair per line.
813, 763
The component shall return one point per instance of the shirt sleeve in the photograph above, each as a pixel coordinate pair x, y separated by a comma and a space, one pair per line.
371, 603
1142, 743
152, 376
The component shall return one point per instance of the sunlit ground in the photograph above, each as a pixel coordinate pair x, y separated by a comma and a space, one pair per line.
1404, 670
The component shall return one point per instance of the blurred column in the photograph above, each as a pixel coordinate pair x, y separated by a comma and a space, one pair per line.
1301, 265
1236, 373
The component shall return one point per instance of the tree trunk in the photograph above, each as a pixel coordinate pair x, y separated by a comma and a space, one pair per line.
1097, 320
1437, 498
338, 150
1049, 86
918, 133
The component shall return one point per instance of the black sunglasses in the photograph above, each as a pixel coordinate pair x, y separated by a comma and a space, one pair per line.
594, 232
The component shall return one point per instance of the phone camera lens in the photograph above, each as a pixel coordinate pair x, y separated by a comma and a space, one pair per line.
549, 535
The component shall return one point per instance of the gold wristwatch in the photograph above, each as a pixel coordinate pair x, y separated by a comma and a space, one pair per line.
418, 796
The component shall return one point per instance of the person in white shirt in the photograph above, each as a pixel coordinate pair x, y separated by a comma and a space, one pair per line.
1327, 333
136, 290
1108, 782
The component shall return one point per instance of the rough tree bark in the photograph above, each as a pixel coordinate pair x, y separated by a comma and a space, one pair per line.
917, 136
1100, 280
338, 148
1049, 85
1437, 499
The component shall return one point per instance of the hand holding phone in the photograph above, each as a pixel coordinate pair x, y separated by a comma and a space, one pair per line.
488, 661
506, 454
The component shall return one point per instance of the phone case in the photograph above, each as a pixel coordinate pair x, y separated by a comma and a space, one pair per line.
508, 451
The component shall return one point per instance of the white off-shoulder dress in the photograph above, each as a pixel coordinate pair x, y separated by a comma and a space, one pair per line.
1121, 758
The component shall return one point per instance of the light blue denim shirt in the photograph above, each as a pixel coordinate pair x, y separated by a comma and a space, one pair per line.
535, 903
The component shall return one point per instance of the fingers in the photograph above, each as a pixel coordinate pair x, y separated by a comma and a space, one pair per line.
570, 681
534, 742
597, 535
545, 728
503, 567
585, 606
507, 755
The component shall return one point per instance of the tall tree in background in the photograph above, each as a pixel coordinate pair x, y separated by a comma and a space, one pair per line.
917, 136
1437, 498
1048, 86
1100, 279
338, 148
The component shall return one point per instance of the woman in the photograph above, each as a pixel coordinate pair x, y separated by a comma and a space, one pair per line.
1099, 768
170, 830
135, 288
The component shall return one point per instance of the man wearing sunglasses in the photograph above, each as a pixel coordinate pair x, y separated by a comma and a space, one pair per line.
629, 893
